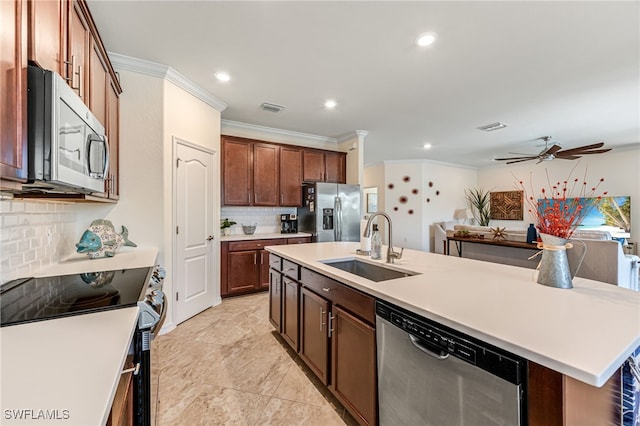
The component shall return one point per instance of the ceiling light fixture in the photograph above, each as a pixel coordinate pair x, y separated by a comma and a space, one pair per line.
222, 76
427, 145
330, 104
493, 126
426, 39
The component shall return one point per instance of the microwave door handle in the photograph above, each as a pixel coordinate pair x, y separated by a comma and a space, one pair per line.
95, 138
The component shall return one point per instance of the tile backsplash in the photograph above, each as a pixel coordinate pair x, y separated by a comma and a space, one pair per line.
267, 219
33, 235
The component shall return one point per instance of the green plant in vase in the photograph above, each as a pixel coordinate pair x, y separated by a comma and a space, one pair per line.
225, 225
479, 200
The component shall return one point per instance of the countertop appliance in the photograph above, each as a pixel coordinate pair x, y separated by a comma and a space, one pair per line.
288, 223
330, 212
432, 375
45, 298
67, 145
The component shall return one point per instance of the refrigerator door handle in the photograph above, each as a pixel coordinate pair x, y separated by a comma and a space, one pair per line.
337, 230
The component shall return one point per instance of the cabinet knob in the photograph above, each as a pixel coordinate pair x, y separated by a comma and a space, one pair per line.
327, 289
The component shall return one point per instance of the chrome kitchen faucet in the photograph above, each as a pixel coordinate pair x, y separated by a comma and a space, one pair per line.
391, 254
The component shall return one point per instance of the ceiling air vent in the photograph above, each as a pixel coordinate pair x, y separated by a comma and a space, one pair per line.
271, 107
493, 126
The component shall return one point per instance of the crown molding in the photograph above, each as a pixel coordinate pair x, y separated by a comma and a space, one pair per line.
229, 124
153, 69
360, 134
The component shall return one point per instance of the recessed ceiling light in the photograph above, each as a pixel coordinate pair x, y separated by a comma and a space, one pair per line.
330, 104
222, 76
427, 145
426, 39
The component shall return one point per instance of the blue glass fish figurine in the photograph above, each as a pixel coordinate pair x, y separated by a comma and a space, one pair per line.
102, 240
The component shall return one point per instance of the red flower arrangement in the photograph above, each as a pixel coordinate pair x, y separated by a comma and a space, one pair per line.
558, 211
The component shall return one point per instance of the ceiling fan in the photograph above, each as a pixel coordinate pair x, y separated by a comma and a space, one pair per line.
556, 151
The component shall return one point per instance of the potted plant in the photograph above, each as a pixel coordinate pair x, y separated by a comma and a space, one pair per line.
225, 224
479, 199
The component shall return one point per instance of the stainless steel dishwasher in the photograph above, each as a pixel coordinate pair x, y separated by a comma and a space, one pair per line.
432, 375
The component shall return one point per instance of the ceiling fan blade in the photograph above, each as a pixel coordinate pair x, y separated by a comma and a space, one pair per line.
579, 149
521, 160
528, 157
568, 157
593, 151
551, 151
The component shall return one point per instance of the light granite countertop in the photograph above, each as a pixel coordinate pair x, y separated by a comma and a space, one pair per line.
586, 332
71, 365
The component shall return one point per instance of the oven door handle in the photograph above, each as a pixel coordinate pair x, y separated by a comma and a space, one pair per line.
163, 314
135, 370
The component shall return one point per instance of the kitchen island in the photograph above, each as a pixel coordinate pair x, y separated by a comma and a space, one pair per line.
585, 333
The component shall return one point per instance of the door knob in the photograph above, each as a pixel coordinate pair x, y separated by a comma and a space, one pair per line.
209, 238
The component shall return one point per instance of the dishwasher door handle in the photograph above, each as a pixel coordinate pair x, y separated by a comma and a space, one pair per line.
416, 342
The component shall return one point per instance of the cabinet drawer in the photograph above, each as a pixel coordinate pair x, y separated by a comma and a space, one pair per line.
255, 244
275, 262
298, 240
290, 269
340, 294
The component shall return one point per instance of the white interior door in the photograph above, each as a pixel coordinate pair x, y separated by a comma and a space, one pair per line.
195, 266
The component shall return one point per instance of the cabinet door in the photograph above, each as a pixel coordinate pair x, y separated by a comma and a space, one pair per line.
78, 47
275, 299
290, 312
290, 177
264, 270
266, 172
113, 134
242, 271
98, 81
13, 86
335, 167
47, 34
353, 365
313, 166
237, 170
314, 337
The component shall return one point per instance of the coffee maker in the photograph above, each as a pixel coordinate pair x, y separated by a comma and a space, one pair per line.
288, 223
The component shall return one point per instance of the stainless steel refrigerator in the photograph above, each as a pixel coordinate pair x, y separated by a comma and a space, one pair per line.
330, 212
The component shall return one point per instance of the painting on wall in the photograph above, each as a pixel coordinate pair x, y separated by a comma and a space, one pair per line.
507, 205
608, 212
372, 203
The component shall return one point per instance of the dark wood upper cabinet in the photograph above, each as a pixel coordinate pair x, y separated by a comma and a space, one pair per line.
48, 44
313, 166
290, 176
113, 134
13, 86
78, 51
324, 166
237, 168
335, 167
256, 173
98, 83
266, 174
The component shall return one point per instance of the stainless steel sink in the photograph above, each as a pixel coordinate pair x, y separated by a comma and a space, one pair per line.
367, 270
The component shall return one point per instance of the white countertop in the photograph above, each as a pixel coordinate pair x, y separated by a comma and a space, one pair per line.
586, 332
71, 363
265, 236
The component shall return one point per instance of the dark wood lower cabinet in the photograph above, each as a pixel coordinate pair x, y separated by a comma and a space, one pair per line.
314, 345
275, 299
337, 337
353, 365
290, 311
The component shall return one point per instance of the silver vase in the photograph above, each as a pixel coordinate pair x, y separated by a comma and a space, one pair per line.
554, 267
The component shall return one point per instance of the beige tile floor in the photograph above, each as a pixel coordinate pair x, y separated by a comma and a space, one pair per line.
227, 366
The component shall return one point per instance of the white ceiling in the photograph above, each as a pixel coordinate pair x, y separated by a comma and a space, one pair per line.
566, 69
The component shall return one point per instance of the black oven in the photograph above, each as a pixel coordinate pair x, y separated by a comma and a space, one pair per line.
43, 298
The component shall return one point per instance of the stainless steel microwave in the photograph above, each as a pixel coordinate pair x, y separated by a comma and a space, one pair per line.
68, 150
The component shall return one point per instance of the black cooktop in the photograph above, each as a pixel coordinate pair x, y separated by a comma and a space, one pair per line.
34, 299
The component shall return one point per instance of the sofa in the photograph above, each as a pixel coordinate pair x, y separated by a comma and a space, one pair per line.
604, 260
